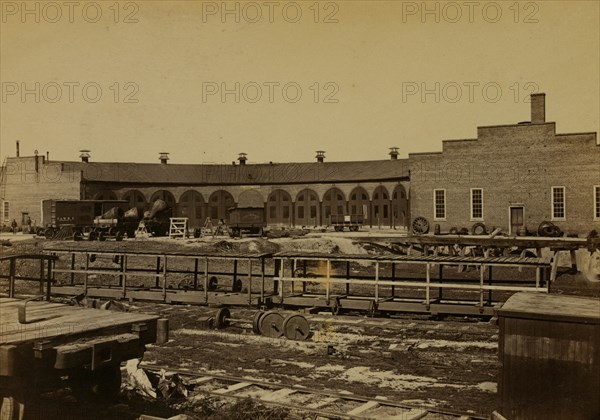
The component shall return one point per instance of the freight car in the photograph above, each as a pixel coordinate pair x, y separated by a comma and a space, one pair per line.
76, 215
353, 222
246, 220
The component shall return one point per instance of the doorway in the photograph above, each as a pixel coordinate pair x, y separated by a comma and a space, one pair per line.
516, 218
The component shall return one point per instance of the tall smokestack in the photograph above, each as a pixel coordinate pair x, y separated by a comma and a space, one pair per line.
18, 148
320, 156
538, 108
47, 156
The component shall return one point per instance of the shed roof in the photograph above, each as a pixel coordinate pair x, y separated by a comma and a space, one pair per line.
269, 173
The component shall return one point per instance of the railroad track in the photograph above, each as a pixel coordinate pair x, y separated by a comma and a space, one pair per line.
307, 403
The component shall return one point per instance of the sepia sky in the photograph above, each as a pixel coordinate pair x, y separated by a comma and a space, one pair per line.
131, 79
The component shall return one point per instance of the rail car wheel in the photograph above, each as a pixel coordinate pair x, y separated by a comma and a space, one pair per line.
100, 384
256, 322
101, 236
212, 284
338, 228
221, 318
92, 236
77, 236
236, 286
420, 226
295, 327
118, 236
478, 229
271, 324
49, 233
354, 228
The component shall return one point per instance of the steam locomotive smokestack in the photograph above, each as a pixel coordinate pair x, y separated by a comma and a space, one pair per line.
18, 154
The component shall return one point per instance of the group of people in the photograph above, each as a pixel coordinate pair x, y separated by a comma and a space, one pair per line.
26, 225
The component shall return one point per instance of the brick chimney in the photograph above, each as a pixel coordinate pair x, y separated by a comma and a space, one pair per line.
538, 108
85, 155
164, 157
394, 153
320, 156
242, 158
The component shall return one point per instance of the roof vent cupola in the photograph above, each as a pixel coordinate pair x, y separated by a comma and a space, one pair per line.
320, 156
164, 157
85, 155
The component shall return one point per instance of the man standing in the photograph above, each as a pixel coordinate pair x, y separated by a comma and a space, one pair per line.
14, 226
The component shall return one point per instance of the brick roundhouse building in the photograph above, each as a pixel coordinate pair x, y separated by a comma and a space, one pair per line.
509, 176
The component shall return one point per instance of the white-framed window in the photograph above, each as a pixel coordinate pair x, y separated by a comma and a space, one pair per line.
596, 202
5, 212
476, 204
439, 204
559, 207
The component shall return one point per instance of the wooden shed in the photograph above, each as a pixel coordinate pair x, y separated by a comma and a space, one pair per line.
550, 354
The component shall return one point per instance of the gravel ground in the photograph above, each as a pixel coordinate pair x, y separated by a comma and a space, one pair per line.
450, 364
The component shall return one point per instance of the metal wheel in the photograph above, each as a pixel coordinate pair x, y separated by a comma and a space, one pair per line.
478, 229
295, 327
49, 233
77, 236
92, 236
256, 322
236, 286
420, 226
112, 231
271, 324
221, 318
118, 236
101, 236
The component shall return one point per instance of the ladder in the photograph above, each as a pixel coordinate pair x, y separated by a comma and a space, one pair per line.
178, 228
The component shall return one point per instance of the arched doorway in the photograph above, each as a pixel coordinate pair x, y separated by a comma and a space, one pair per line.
400, 207
334, 202
218, 204
381, 207
105, 195
136, 199
251, 198
359, 203
307, 208
279, 208
191, 205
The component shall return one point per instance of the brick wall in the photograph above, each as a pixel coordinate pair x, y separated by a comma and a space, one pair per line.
27, 184
514, 165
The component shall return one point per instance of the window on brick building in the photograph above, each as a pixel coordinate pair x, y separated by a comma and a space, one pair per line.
476, 204
596, 202
558, 203
5, 212
439, 204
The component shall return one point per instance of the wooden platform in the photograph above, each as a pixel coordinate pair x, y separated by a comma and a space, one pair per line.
60, 322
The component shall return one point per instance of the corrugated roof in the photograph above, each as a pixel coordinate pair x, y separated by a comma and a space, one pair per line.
270, 173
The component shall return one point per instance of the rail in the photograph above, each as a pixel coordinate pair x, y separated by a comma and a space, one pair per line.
45, 272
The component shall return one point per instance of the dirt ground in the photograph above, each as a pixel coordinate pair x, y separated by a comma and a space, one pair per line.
449, 364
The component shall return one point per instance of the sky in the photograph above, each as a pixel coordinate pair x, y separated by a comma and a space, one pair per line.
206, 80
